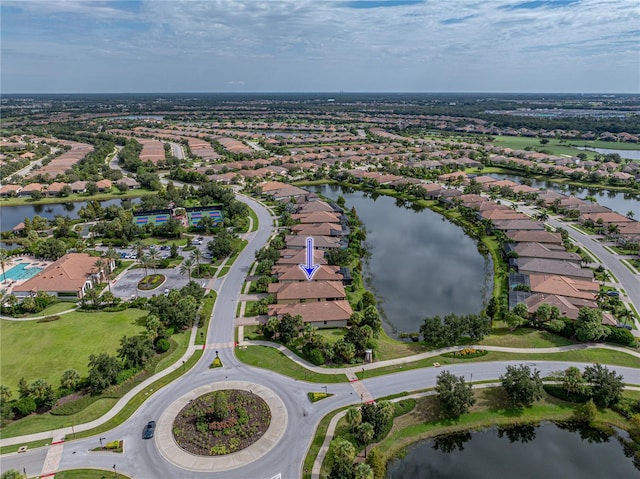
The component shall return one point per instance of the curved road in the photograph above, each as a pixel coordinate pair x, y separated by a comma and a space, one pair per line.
143, 459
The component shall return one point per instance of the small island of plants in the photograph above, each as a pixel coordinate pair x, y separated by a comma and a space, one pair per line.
221, 422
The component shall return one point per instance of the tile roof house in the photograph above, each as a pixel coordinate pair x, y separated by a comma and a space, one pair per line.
29, 189
534, 237
319, 242
518, 225
539, 250
70, 276
323, 314
298, 256
552, 266
563, 286
292, 273
308, 291
317, 217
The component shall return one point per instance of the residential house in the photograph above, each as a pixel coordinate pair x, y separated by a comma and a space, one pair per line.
307, 291
323, 314
68, 277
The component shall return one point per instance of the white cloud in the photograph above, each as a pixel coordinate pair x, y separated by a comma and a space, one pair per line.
326, 45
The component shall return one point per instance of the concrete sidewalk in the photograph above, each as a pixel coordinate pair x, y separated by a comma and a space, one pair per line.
430, 354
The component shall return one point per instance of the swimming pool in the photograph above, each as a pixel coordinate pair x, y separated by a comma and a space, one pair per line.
20, 271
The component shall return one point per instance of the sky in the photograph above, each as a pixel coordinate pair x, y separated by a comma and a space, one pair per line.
560, 46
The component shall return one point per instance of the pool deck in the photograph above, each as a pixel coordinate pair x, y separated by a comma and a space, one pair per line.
7, 286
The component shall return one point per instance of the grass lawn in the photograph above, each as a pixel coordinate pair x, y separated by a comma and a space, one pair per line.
89, 474
76, 198
56, 308
272, 359
250, 308
525, 338
255, 223
164, 241
205, 312
45, 350
602, 356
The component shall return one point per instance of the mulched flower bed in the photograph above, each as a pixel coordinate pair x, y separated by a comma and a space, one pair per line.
211, 425
151, 282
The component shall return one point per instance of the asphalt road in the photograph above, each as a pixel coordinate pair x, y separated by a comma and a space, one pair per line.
142, 459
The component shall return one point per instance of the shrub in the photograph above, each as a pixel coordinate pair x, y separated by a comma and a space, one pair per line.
316, 357
162, 345
126, 374
621, 336
24, 406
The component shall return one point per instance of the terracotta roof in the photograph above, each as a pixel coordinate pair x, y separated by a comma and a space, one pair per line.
538, 250
296, 257
565, 306
317, 217
553, 266
69, 273
563, 286
308, 290
534, 237
317, 311
318, 241
293, 272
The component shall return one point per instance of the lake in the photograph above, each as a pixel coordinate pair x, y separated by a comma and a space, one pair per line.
13, 215
524, 452
421, 264
629, 154
617, 201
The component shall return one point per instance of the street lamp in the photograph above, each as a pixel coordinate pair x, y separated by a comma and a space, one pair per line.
325, 389
115, 473
101, 442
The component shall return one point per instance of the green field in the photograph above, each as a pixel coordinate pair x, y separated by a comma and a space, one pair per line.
77, 198
45, 350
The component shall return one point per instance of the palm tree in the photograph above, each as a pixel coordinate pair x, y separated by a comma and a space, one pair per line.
354, 417
139, 247
196, 255
100, 265
145, 261
4, 260
542, 216
153, 255
630, 214
186, 267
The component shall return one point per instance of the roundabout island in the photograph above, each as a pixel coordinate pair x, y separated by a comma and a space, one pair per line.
194, 434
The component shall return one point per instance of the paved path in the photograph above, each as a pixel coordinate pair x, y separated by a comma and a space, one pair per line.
436, 352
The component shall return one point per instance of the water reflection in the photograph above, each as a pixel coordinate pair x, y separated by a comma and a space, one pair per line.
420, 264
532, 452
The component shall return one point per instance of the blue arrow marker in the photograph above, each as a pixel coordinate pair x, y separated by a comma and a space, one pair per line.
309, 268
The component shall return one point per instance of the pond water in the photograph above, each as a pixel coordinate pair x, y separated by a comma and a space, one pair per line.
629, 154
420, 265
13, 215
617, 201
525, 452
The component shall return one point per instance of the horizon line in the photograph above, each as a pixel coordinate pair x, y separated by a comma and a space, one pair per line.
341, 92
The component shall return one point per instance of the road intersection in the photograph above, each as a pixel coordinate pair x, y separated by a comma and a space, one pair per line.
145, 459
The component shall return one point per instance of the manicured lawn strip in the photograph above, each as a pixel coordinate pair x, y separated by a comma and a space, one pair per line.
179, 344
525, 338
224, 271
45, 350
124, 264
140, 398
603, 356
30, 445
164, 241
270, 358
48, 422
56, 308
231, 260
250, 308
89, 474
254, 217
205, 312
316, 443
76, 198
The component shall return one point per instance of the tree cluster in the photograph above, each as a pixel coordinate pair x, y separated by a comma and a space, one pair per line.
450, 329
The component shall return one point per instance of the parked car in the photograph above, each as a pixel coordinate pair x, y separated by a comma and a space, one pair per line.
613, 293
149, 430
